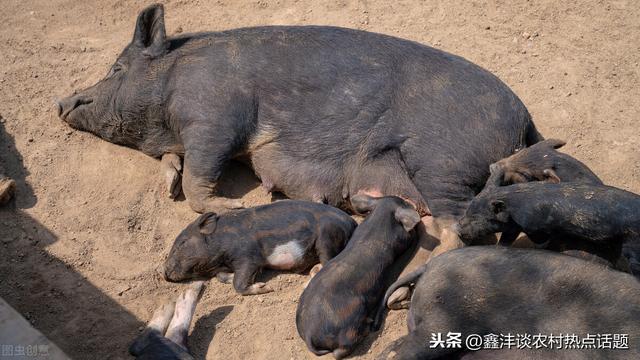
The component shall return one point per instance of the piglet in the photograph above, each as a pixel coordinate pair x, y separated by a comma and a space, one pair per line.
595, 219
165, 337
483, 290
541, 162
343, 302
285, 235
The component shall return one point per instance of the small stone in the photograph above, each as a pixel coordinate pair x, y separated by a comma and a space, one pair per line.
179, 30
526, 35
260, 299
30, 140
551, 87
122, 289
568, 94
487, 27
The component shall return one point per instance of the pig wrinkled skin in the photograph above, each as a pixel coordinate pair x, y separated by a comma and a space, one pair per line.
541, 162
320, 113
343, 302
494, 290
285, 235
595, 219
165, 337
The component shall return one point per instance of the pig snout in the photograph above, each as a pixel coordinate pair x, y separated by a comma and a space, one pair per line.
67, 105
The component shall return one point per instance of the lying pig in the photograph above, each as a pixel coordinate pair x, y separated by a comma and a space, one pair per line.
493, 290
165, 337
562, 217
285, 235
541, 162
321, 113
343, 302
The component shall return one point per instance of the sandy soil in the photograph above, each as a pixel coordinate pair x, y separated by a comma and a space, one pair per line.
91, 221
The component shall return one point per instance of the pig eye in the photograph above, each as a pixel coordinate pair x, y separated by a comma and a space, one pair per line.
114, 69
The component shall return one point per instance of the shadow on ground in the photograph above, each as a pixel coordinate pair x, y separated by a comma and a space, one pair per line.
76, 310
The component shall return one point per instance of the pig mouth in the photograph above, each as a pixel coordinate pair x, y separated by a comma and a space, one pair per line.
174, 277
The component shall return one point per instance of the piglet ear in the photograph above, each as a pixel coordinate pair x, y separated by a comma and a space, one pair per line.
363, 204
407, 217
555, 143
150, 34
551, 176
207, 223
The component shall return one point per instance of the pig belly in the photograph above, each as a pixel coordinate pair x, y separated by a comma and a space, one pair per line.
286, 256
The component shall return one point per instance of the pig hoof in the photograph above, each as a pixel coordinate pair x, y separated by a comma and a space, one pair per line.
233, 204
258, 288
174, 185
399, 299
221, 205
340, 353
314, 270
224, 277
172, 166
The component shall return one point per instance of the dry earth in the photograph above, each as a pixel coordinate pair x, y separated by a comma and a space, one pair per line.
91, 220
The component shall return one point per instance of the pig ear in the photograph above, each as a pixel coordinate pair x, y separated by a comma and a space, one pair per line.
551, 176
555, 143
363, 204
407, 217
150, 34
498, 206
207, 223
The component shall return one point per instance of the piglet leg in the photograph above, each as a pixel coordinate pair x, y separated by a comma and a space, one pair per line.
158, 325
437, 234
243, 281
183, 313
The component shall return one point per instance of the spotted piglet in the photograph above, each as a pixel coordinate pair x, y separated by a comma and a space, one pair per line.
285, 235
343, 302
165, 337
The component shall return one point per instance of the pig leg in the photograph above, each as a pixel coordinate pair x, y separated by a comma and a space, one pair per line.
185, 307
437, 234
158, 324
170, 166
201, 173
243, 280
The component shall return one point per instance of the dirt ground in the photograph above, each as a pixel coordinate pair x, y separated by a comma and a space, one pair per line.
91, 220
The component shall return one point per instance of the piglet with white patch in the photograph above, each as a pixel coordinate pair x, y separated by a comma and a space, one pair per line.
285, 235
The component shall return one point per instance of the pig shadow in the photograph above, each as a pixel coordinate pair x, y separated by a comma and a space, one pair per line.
60, 302
204, 331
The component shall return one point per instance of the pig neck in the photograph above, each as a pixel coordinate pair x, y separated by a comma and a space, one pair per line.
158, 134
380, 230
